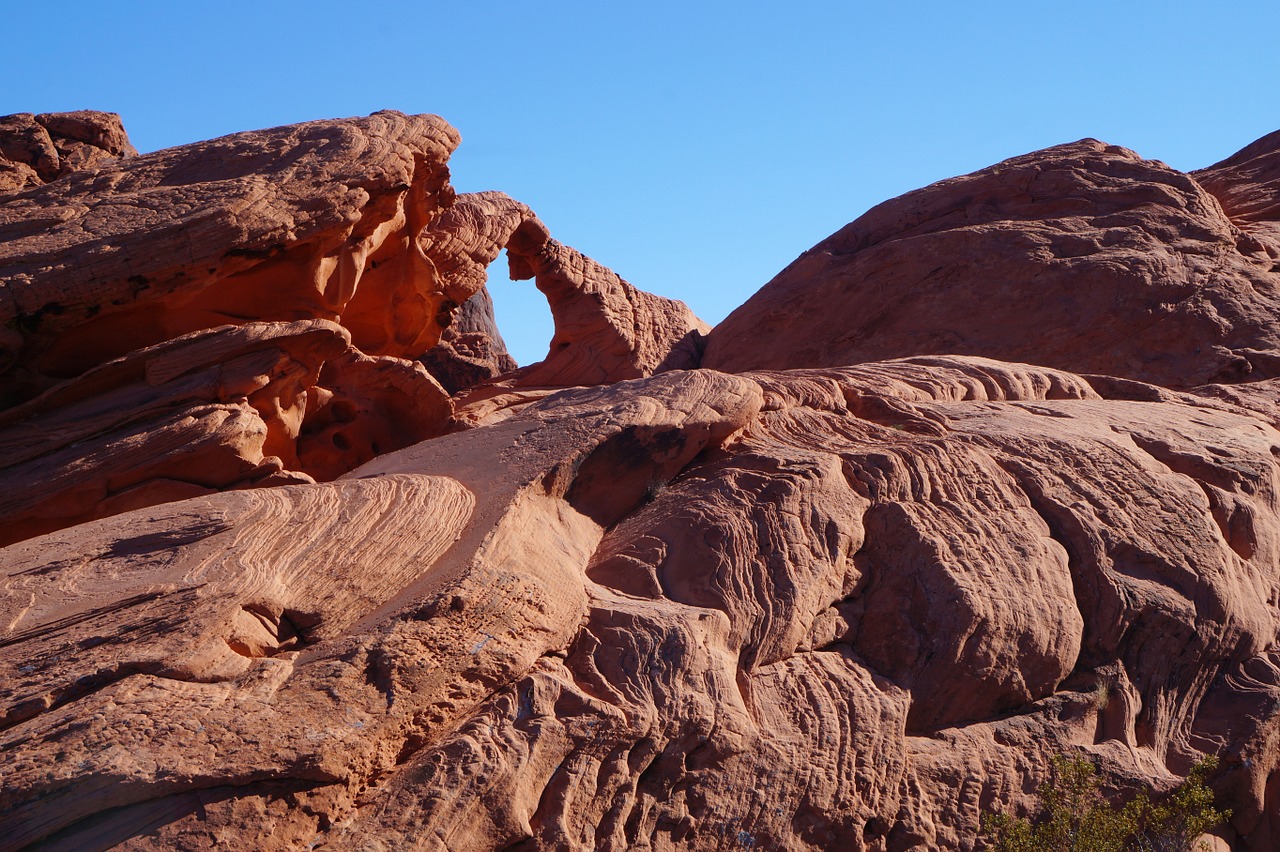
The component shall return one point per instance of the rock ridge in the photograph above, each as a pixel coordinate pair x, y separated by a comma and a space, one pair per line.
1033, 260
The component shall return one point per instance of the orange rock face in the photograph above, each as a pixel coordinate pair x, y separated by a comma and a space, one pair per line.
346, 226
206, 411
817, 597
1082, 257
313, 221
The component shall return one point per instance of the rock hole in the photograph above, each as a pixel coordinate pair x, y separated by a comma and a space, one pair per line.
522, 314
260, 630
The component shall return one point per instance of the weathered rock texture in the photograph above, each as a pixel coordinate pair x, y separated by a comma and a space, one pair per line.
843, 607
312, 221
257, 303
471, 350
606, 330
1247, 185
1082, 257
36, 149
204, 412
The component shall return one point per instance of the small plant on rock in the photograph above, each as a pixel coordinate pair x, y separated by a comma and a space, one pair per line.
1074, 817
1102, 692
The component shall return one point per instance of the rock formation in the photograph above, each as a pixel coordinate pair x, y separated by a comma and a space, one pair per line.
606, 330
471, 350
247, 312
841, 589
36, 149
1082, 257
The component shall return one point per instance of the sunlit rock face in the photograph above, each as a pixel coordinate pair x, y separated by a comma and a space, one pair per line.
1082, 257
251, 310
37, 149
298, 559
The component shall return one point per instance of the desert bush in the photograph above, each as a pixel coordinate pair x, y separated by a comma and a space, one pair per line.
1074, 816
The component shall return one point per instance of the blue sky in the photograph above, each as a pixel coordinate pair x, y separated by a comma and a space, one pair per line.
697, 147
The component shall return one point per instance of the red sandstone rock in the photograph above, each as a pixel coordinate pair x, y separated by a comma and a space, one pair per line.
471, 350
851, 606
350, 222
1082, 257
208, 411
362, 407
894, 590
311, 221
1247, 184
606, 330
414, 624
35, 149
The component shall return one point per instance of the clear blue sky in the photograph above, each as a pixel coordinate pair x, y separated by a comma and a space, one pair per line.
694, 147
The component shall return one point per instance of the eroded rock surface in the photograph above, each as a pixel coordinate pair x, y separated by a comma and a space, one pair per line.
606, 329
1082, 257
610, 601
310, 221
36, 149
880, 596
204, 412
471, 350
340, 243
1247, 184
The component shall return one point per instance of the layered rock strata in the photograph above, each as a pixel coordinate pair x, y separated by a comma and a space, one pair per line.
617, 601
846, 607
471, 350
248, 311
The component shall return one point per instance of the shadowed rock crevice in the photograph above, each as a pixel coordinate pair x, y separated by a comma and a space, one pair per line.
471, 350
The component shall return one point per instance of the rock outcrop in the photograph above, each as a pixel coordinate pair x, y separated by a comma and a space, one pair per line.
1247, 185
1082, 257
606, 330
312, 221
471, 350
207, 411
620, 599
248, 311
36, 149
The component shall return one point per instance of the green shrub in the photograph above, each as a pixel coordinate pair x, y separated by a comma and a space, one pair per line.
1074, 817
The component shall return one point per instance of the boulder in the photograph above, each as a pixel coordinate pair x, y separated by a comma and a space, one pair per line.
37, 149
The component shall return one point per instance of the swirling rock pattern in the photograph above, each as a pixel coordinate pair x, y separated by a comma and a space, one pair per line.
138, 297
616, 601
